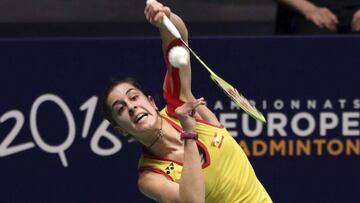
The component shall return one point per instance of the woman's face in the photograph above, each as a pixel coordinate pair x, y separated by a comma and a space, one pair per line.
135, 113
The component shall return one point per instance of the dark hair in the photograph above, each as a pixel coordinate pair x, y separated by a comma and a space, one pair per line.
106, 109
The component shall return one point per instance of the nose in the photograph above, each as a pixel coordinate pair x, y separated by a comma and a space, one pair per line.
132, 109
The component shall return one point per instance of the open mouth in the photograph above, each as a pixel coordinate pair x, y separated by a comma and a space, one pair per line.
139, 117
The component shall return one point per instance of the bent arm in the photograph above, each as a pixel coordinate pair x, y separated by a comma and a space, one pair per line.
191, 187
177, 84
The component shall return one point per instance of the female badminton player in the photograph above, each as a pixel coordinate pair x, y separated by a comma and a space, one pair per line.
188, 155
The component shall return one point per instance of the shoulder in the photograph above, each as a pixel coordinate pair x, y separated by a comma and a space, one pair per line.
158, 187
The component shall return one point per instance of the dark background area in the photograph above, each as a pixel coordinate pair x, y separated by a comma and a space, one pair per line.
125, 18
76, 69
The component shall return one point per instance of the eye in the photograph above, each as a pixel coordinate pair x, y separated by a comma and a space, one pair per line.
120, 109
133, 98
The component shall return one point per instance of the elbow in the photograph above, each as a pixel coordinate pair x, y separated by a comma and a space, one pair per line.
193, 199
199, 200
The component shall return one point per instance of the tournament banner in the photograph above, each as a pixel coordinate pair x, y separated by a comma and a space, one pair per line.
55, 146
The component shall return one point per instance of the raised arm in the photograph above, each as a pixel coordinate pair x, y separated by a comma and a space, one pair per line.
177, 84
320, 16
154, 13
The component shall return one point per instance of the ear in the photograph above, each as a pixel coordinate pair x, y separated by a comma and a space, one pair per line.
118, 129
152, 102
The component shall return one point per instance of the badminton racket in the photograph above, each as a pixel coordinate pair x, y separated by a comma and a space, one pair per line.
228, 89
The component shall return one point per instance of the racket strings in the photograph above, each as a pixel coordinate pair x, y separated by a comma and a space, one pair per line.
229, 90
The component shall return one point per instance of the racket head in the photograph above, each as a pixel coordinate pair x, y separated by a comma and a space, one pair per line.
238, 99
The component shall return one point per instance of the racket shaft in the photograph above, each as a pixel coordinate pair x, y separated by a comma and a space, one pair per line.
171, 27
198, 58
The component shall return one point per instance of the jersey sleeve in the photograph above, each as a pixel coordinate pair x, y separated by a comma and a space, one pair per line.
172, 83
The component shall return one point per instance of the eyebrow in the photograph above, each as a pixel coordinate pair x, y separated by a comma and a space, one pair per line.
118, 101
129, 90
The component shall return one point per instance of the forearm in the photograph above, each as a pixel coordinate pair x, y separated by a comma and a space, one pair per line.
184, 73
166, 36
192, 187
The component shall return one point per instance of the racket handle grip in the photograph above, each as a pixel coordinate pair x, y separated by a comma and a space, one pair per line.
171, 27
168, 24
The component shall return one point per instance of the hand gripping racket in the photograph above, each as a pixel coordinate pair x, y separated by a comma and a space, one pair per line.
229, 90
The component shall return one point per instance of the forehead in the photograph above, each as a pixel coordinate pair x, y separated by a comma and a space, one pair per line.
121, 91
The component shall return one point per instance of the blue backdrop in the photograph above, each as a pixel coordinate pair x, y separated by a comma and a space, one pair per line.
56, 147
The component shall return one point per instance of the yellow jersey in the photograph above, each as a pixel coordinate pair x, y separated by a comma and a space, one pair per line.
228, 174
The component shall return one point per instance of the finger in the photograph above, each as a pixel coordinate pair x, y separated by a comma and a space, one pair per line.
146, 11
167, 11
328, 24
317, 21
198, 102
322, 21
149, 10
152, 14
158, 7
150, 5
192, 113
324, 18
331, 21
200, 99
333, 18
353, 21
356, 26
147, 15
356, 15
148, 2
158, 18
152, 9
327, 17
331, 26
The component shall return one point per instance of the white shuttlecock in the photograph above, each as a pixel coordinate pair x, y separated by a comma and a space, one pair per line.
179, 57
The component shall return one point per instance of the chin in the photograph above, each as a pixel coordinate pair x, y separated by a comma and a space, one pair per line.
147, 125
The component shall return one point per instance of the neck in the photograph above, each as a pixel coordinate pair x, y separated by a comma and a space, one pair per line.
159, 134
166, 141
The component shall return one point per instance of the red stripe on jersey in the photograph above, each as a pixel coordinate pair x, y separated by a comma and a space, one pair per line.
172, 86
162, 159
207, 155
222, 140
156, 170
207, 123
173, 124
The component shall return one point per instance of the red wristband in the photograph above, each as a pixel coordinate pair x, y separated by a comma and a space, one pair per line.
186, 135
